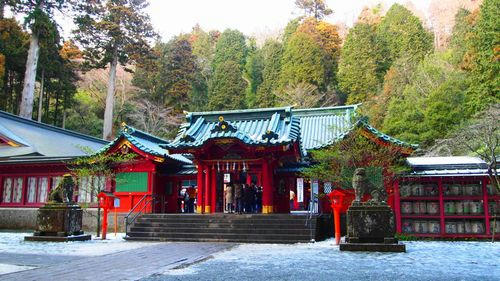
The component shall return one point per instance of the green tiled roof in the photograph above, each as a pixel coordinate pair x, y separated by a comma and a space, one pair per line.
312, 128
269, 126
320, 127
145, 142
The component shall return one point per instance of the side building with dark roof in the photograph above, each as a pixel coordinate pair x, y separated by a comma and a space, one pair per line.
33, 158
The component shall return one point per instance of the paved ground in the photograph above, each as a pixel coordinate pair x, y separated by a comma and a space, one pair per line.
125, 265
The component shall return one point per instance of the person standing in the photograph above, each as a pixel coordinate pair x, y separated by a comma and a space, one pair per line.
258, 200
186, 201
292, 199
192, 195
238, 194
228, 190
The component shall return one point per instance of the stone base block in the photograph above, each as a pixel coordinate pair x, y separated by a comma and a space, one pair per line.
55, 218
84, 237
373, 247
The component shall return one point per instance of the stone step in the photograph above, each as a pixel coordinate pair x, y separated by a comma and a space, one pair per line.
297, 231
222, 224
248, 228
226, 236
230, 220
261, 241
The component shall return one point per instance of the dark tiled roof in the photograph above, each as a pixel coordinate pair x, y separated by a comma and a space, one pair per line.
33, 138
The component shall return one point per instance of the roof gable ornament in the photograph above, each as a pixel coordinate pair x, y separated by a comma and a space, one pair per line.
223, 126
269, 135
187, 137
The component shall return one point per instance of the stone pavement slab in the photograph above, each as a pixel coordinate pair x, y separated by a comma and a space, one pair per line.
125, 265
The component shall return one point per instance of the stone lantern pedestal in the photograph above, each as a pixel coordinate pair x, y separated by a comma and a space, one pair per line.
59, 222
371, 228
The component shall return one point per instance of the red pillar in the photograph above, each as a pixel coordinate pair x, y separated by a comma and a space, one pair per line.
105, 221
199, 195
207, 189
267, 187
213, 186
336, 221
397, 206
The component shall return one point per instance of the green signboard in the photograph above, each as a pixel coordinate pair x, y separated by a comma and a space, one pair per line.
132, 182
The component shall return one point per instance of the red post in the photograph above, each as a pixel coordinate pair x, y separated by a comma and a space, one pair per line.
486, 207
200, 185
213, 185
267, 185
441, 206
207, 189
105, 220
336, 221
397, 206
337, 200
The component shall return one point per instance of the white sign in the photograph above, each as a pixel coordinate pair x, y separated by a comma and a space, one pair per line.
315, 186
300, 190
116, 203
227, 178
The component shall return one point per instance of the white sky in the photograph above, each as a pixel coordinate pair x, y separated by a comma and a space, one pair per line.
171, 17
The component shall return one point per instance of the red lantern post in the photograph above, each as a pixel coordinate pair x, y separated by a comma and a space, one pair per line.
106, 201
339, 201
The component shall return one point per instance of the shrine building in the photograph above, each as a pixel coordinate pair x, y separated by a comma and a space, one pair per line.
268, 147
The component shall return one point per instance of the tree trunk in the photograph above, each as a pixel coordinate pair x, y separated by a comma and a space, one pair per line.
56, 108
107, 131
40, 99
26, 107
2, 8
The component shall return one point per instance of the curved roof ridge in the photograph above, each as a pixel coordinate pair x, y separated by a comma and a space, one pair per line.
143, 135
238, 111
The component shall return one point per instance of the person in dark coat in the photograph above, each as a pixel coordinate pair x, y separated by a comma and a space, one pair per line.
258, 199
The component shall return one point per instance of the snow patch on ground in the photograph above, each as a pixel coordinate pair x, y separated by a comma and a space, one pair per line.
424, 260
9, 268
13, 242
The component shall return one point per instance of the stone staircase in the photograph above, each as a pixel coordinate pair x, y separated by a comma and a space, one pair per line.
246, 228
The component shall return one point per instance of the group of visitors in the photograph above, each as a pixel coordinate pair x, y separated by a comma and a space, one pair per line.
242, 198
186, 199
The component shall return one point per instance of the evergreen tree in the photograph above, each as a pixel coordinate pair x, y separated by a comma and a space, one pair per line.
401, 34
14, 45
430, 105
203, 44
230, 46
180, 68
302, 61
112, 32
149, 76
290, 29
459, 42
358, 74
485, 78
39, 19
253, 72
271, 52
226, 89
